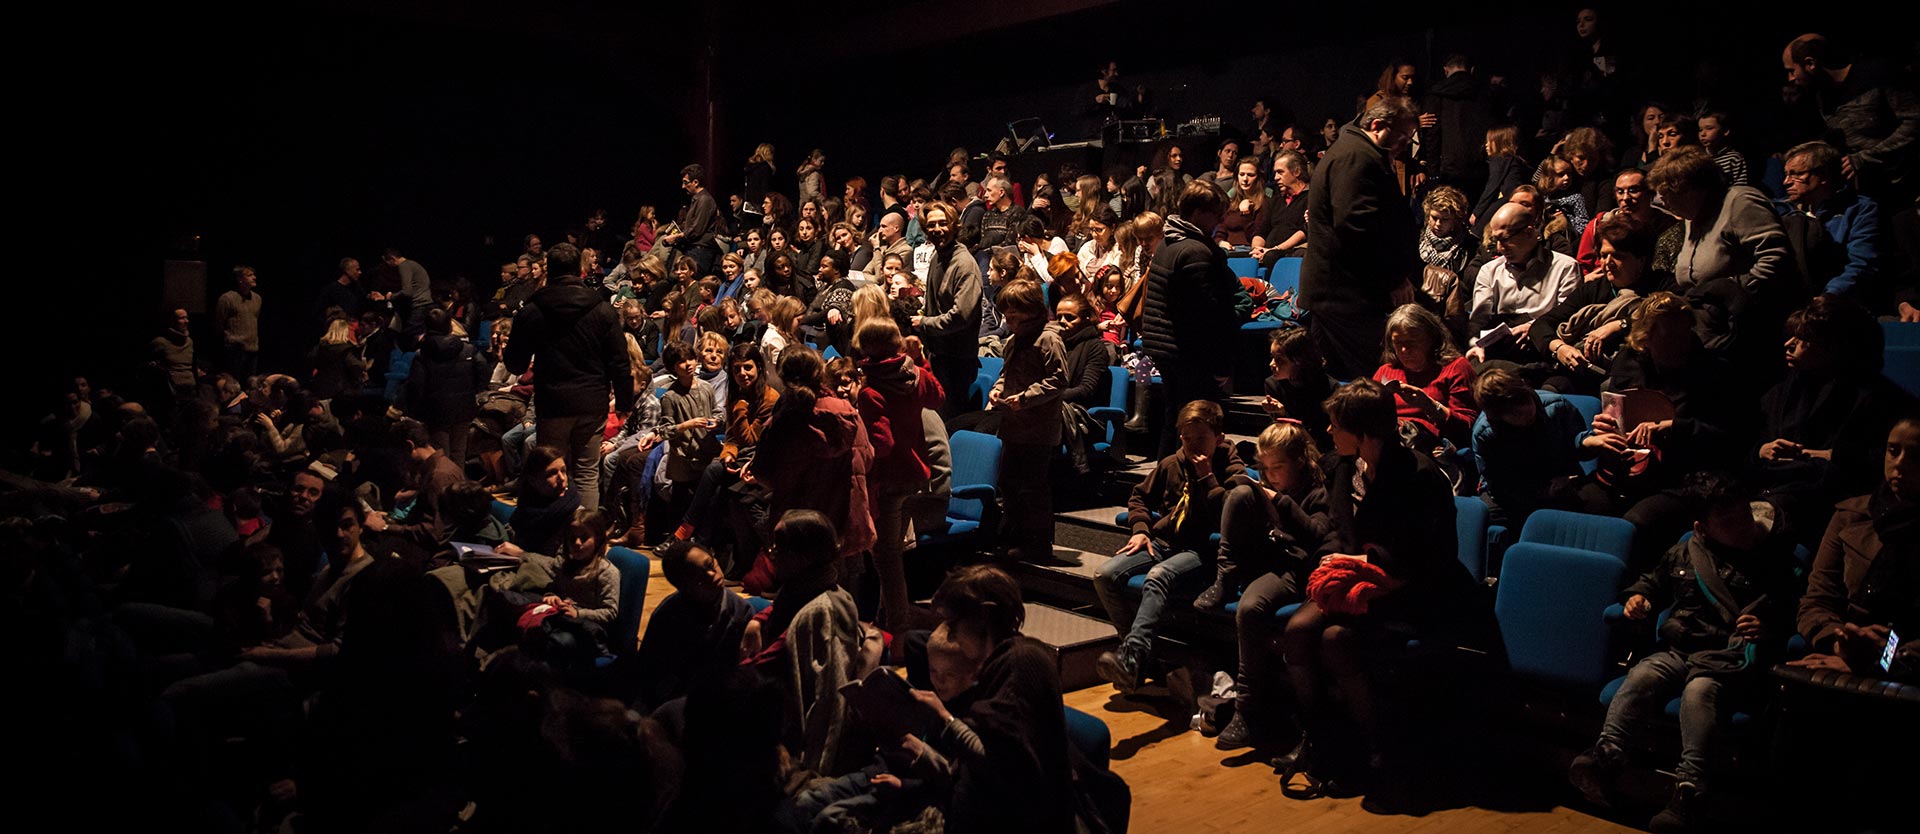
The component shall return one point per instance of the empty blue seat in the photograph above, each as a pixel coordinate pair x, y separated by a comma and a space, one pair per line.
623, 635
1903, 368
1090, 734
1602, 534
1243, 267
399, 366
1550, 609
830, 354
502, 511
1114, 413
1284, 276
1901, 333
1470, 524
483, 334
971, 505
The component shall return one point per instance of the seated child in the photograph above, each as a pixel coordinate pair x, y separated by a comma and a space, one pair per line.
1267, 532
694, 632
1299, 385
1729, 594
586, 586
1524, 441
1173, 514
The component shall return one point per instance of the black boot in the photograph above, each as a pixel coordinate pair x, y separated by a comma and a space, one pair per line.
1142, 392
1238, 734
1593, 774
1298, 763
1682, 813
1120, 668
1226, 582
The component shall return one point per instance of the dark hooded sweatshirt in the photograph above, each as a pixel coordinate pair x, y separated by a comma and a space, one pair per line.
573, 336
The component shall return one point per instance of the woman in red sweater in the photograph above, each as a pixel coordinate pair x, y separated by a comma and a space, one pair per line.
899, 386
1431, 382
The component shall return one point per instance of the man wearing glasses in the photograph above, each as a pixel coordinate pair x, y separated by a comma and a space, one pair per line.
1834, 231
1634, 198
697, 235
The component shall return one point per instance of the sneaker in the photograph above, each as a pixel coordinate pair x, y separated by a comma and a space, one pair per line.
1120, 669
1682, 811
1237, 735
1594, 772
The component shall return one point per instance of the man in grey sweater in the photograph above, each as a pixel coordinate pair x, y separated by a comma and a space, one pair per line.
951, 327
415, 296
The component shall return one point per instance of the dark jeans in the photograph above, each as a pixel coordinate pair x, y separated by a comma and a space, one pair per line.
702, 514
240, 362
1650, 683
1350, 342
1024, 471
956, 375
1258, 633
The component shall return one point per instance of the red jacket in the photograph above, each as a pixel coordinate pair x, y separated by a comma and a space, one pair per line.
1450, 385
890, 404
818, 459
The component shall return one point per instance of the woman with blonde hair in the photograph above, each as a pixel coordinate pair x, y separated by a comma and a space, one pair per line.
1144, 234
1505, 172
336, 361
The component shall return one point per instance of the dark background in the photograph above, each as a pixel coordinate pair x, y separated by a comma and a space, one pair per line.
288, 137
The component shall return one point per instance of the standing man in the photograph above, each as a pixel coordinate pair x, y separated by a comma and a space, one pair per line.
415, 295
951, 328
346, 294
1000, 223
237, 312
1188, 326
1360, 255
573, 336
1463, 109
1875, 120
696, 236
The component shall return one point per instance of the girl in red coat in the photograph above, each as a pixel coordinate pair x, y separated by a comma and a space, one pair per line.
899, 386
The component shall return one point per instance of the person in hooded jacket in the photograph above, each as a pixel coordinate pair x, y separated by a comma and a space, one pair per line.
444, 385
576, 336
899, 385
815, 439
1189, 324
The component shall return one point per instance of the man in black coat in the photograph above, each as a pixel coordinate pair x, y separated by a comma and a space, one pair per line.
575, 335
1360, 240
444, 385
1188, 327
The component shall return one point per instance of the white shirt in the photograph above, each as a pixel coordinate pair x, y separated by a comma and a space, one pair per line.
922, 257
1091, 263
1498, 290
1039, 261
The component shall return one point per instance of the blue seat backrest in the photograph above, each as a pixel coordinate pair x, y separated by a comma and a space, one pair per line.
1470, 523
624, 635
1901, 334
1903, 368
483, 334
1602, 534
1090, 734
1588, 407
1117, 379
1243, 267
1285, 275
502, 511
829, 354
976, 460
991, 365
1550, 606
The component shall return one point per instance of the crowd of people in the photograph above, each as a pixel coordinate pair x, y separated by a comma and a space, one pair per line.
390, 586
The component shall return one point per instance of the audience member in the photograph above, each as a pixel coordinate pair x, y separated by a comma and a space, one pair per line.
1360, 258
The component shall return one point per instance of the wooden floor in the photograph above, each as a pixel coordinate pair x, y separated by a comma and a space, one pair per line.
1180, 784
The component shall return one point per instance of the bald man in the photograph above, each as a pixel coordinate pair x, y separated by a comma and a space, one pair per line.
1524, 279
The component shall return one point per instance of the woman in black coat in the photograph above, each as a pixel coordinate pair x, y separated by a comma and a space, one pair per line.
1394, 509
1188, 327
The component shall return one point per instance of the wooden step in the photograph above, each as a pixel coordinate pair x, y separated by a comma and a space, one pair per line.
1077, 641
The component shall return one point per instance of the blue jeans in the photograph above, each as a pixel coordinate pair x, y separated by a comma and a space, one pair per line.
513, 445
1168, 576
1644, 694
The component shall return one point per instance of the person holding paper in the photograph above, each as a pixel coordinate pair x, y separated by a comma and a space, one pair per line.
1679, 410
1525, 281
1585, 329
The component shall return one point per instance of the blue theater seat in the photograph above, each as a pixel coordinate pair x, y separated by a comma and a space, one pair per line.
971, 507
